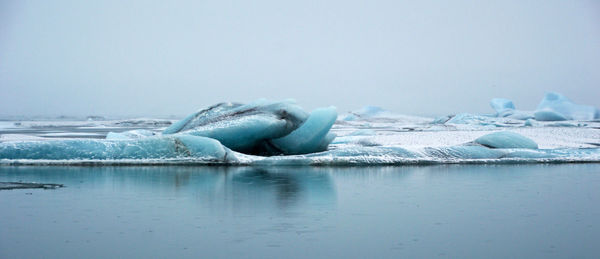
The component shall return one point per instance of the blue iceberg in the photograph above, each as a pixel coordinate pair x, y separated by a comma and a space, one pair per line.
167, 147
556, 107
503, 107
243, 127
262, 127
506, 108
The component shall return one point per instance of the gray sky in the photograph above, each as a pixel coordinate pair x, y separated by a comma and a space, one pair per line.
174, 57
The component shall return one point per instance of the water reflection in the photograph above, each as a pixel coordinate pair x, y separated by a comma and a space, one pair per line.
280, 187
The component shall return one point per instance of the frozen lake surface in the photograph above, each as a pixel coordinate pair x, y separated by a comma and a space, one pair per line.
451, 211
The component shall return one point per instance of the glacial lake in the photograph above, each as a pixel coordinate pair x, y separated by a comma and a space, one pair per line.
448, 211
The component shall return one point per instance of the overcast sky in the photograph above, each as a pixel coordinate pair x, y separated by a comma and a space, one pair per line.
174, 57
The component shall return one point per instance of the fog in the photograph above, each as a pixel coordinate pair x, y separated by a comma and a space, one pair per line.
158, 58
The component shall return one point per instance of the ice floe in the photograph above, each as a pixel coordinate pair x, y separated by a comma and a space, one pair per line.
167, 147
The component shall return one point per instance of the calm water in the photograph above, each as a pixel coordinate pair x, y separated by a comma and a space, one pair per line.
370, 212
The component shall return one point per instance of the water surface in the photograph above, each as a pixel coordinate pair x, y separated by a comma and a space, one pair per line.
499, 211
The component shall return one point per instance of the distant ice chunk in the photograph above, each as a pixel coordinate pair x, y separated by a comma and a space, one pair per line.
502, 106
506, 139
170, 147
506, 108
556, 107
367, 111
311, 136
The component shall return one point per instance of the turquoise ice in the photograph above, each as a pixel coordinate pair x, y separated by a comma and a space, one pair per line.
167, 147
555, 106
506, 139
312, 136
262, 127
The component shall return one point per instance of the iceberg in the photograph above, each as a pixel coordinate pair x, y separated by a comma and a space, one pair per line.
503, 107
166, 147
243, 127
262, 127
506, 108
506, 139
556, 107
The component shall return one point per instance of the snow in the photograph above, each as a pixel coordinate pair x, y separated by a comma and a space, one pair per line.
131, 134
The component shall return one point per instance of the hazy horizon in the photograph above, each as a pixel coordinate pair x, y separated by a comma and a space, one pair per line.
144, 58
